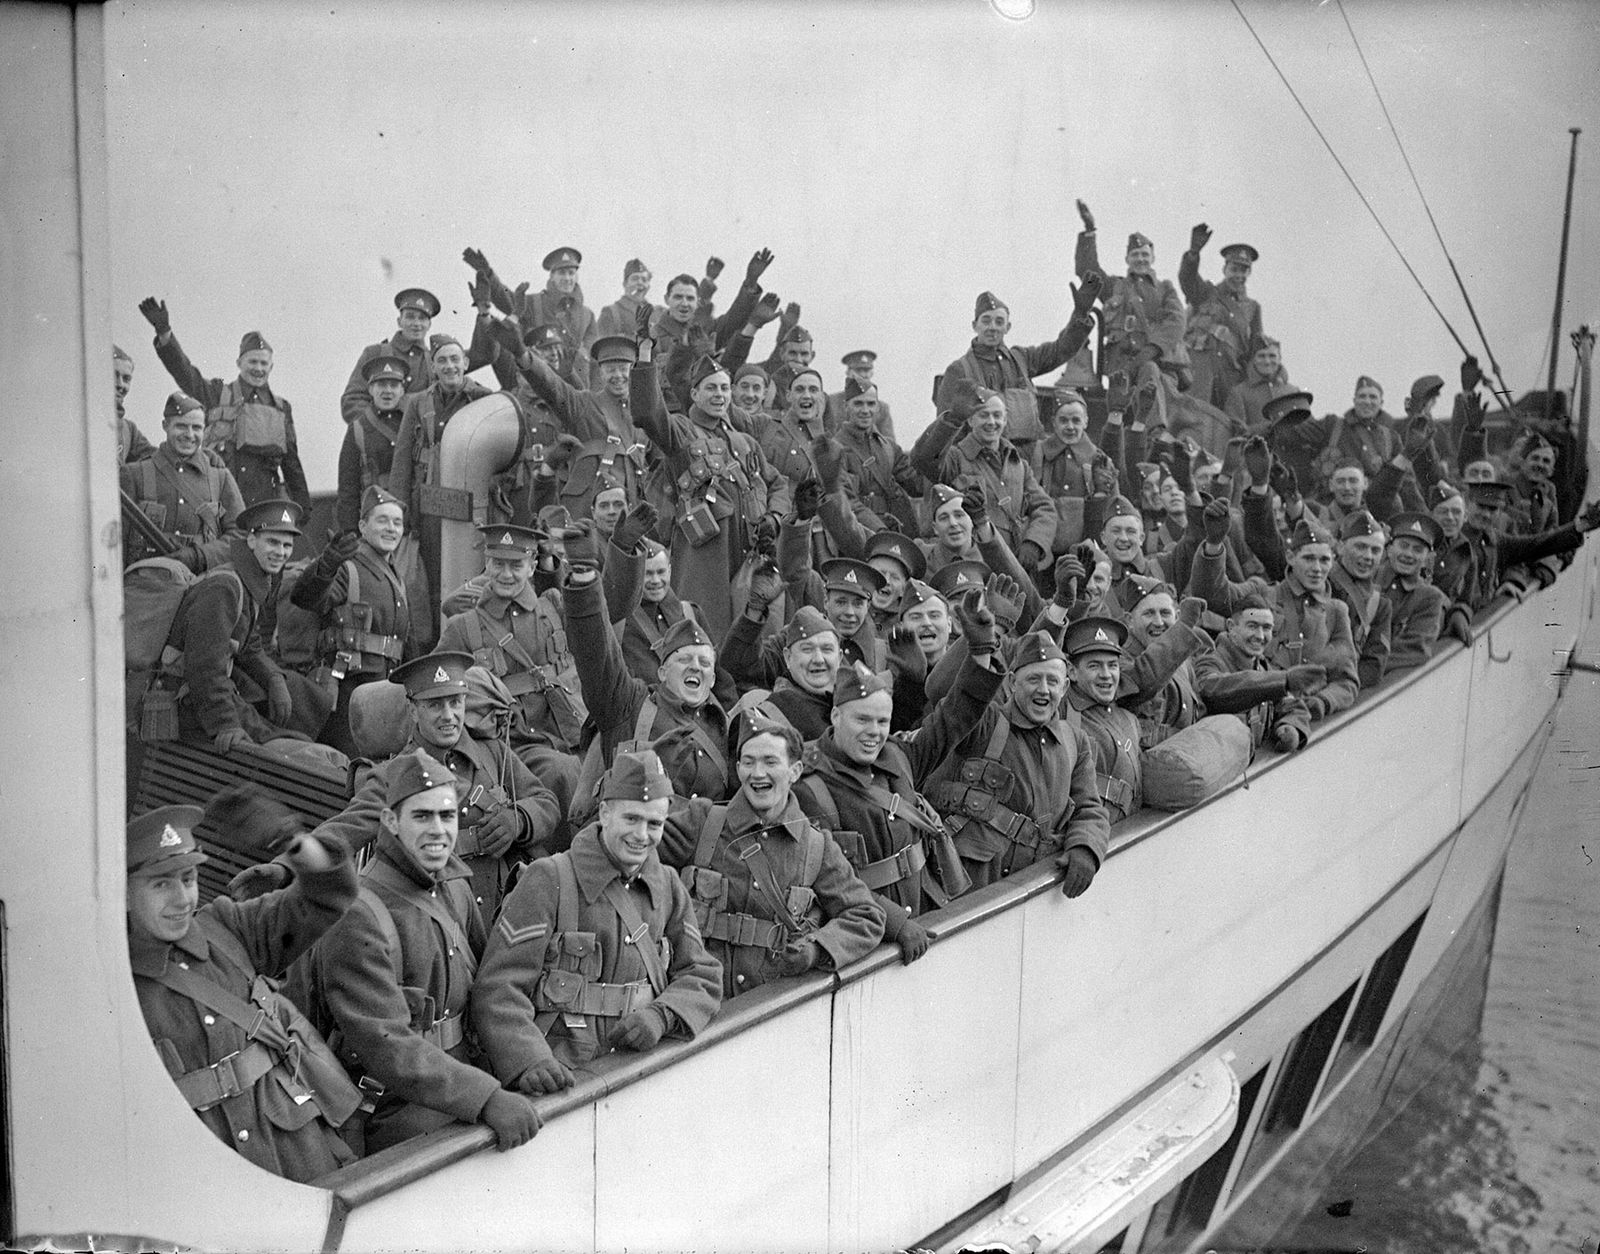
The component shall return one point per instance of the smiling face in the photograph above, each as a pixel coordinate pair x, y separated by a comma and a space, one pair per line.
894, 581
846, 611
988, 422
952, 526
861, 412
767, 774
1072, 420
1235, 273
714, 394
805, 396
637, 284
450, 367
161, 906
797, 354
386, 393
1251, 631
813, 663
1266, 361
750, 394
1368, 401
121, 379
440, 719
413, 324
1037, 689
508, 576
185, 432
630, 829
682, 301
861, 727
1348, 485
255, 366
929, 621
614, 378
426, 825
609, 506
688, 673
991, 326
657, 577
1153, 617
1540, 463
1408, 555
1360, 555
383, 527
564, 279
1141, 259
1451, 515
1097, 676
1123, 538
272, 549
1311, 564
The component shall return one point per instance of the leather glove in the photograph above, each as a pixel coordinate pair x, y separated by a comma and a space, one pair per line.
259, 880
1070, 576
636, 524
790, 317
582, 547
706, 289
1258, 461
1288, 738
1216, 519
340, 548
1031, 555
280, 706
713, 267
807, 499
1080, 868
641, 1030
1589, 516
560, 453
1087, 292
906, 658
913, 941
1284, 481
976, 507
253, 817
1316, 707
479, 290
1191, 610
477, 261
1306, 677
1419, 431
499, 831
1199, 237
508, 335
155, 313
1004, 587
1472, 407
757, 266
229, 739
977, 621
765, 311
641, 321
1103, 478
544, 1076
766, 532
797, 957
1471, 373
1088, 218
1458, 625
513, 1118
1117, 394
827, 454
1183, 468
964, 400
765, 586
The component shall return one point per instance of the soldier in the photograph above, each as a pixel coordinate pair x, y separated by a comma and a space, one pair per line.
597, 947
773, 895
1020, 787
1236, 677
794, 351
1078, 476
1144, 316
395, 973
875, 470
408, 345
865, 787
245, 1059
1416, 607
1154, 613
361, 601
728, 498
859, 366
184, 488
1094, 647
622, 315
1265, 380
1354, 580
658, 610
1223, 321
131, 443
752, 399
811, 657
246, 422
787, 437
521, 636
1478, 574
991, 363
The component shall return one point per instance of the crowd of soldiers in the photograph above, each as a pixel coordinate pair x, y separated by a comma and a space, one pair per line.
745, 687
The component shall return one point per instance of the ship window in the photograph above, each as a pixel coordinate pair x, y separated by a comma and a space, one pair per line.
1184, 1213
1297, 1081
1374, 1001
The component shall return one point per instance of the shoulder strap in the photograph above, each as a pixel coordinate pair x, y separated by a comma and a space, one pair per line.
645, 721
380, 872
566, 891
254, 1020
475, 638
715, 822
748, 849
811, 859
998, 737
352, 583
391, 935
637, 933
147, 472
819, 794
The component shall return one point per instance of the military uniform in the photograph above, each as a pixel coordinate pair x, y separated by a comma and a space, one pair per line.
739, 921
1222, 324
1141, 311
191, 499
1232, 682
609, 443
1080, 479
356, 402
254, 1069
563, 965
881, 478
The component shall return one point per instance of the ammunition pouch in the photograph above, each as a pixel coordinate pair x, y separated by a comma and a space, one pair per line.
567, 992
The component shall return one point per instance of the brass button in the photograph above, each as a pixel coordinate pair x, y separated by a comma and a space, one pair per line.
244, 1134
209, 1020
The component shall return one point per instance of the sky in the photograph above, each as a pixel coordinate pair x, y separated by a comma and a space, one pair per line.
288, 167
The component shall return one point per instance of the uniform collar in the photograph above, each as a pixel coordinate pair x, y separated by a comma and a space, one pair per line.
973, 448
496, 605
195, 461
594, 868
1291, 581
150, 957
390, 850
791, 820
1081, 701
1055, 728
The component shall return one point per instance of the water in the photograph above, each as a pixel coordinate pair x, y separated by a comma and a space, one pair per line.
1502, 1151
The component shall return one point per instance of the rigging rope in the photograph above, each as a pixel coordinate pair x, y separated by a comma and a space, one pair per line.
1349, 178
1504, 393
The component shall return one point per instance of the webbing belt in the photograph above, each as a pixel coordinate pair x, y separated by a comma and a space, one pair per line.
744, 929
896, 867
391, 647
981, 806
1117, 791
446, 1033
612, 1000
228, 1077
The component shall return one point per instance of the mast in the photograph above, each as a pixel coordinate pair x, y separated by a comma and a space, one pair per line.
1561, 278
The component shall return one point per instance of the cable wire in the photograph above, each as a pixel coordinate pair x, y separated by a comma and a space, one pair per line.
1494, 365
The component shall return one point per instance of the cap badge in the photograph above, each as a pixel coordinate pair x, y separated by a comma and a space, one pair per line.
441, 676
850, 577
506, 539
287, 517
169, 837
1100, 634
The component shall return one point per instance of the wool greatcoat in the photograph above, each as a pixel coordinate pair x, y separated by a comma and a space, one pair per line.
526, 942
266, 1123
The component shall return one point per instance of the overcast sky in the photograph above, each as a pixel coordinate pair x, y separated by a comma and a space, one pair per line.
287, 167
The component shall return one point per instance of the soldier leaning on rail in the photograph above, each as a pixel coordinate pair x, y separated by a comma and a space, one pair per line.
1236, 677
249, 1063
597, 947
392, 977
